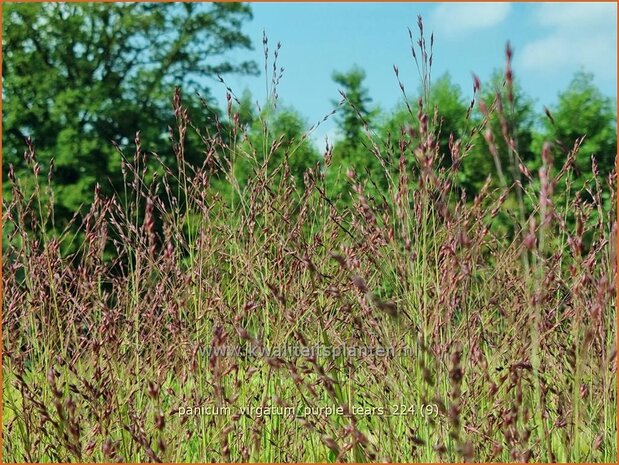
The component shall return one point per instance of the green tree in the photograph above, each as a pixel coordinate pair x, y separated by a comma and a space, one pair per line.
78, 76
451, 109
448, 116
271, 139
506, 121
356, 112
353, 151
582, 110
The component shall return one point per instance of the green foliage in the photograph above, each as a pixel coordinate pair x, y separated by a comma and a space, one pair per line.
507, 120
582, 110
353, 151
77, 77
447, 102
581, 114
356, 113
449, 116
80, 78
281, 134
275, 141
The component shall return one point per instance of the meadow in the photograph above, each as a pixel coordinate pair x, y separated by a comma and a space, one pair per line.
264, 321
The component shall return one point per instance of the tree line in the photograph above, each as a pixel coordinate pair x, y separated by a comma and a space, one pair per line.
81, 80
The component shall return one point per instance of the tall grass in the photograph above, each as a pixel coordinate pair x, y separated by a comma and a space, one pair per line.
502, 344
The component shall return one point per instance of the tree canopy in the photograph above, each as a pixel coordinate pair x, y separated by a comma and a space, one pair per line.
353, 151
77, 77
582, 110
80, 80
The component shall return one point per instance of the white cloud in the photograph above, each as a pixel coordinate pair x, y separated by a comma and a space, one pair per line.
457, 19
577, 35
576, 15
595, 53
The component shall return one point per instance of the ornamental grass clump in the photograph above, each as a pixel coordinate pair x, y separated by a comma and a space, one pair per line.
499, 342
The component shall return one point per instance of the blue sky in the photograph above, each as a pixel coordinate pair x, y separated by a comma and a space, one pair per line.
551, 41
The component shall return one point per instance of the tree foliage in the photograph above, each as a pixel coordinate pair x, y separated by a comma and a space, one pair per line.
353, 151
77, 77
277, 136
582, 110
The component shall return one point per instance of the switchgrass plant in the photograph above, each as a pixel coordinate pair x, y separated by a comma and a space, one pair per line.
443, 336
